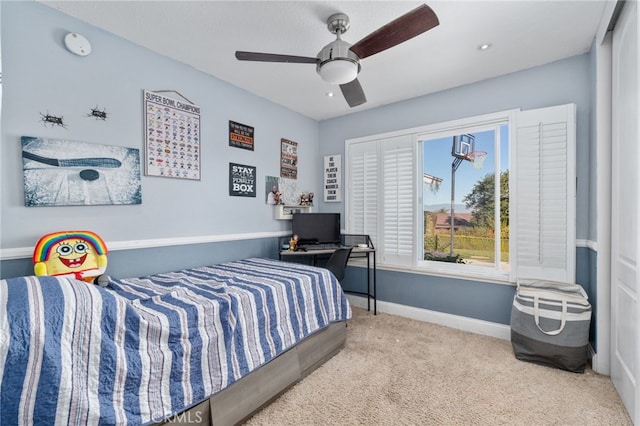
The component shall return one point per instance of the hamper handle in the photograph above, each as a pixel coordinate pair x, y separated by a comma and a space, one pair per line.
563, 317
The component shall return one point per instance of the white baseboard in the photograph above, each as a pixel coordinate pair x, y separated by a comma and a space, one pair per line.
486, 328
599, 364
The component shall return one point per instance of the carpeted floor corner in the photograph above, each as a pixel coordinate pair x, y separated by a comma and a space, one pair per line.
398, 371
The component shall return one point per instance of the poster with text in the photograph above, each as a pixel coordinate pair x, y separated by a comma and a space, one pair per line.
288, 159
172, 137
332, 178
240, 135
242, 180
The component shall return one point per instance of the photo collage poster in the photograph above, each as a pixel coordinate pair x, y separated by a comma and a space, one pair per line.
172, 137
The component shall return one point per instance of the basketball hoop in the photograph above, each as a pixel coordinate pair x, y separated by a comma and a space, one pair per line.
477, 158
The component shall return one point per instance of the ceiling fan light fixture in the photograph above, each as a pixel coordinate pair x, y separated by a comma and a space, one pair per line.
339, 71
337, 64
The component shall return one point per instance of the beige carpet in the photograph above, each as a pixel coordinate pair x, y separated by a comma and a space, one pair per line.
397, 371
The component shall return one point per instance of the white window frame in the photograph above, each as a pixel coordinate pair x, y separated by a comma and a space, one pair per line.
468, 125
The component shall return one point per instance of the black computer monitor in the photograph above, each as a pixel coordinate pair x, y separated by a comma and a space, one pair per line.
316, 227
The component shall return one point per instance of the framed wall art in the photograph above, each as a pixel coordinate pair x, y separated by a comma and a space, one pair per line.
172, 137
242, 180
240, 135
68, 173
332, 178
272, 190
288, 159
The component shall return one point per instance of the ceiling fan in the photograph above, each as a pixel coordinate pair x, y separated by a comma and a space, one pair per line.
339, 62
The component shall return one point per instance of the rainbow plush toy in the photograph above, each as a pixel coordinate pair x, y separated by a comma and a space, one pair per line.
78, 254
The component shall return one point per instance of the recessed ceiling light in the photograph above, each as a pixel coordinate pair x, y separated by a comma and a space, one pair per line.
329, 94
484, 46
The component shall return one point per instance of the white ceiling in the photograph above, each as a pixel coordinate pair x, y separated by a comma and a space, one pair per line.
206, 34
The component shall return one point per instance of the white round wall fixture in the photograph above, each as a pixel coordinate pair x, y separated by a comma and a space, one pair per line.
77, 44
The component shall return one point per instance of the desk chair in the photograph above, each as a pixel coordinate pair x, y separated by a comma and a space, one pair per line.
338, 262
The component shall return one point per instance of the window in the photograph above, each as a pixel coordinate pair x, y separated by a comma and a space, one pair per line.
399, 191
461, 202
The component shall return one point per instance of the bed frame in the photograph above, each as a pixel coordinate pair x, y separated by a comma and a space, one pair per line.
244, 398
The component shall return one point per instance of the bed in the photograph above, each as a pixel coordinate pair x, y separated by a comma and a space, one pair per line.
208, 345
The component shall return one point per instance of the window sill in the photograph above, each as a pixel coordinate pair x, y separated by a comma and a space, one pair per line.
492, 278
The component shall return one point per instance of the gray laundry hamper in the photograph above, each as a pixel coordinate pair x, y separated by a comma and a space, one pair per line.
550, 324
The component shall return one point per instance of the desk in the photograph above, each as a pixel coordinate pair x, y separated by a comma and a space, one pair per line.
369, 253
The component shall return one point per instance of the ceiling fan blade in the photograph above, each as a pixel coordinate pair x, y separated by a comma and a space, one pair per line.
409, 25
353, 93
273, 57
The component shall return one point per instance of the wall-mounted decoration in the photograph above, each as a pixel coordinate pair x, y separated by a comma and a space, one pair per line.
172, 137
242, 180
66, 173
289, 191
272, 190
52, 120
98, 114
306, 199
240, 135
288, 159
332, 178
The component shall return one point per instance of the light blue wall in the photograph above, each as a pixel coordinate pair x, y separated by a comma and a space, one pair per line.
41, 76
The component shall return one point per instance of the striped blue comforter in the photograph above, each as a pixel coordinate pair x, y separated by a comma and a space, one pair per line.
143, 349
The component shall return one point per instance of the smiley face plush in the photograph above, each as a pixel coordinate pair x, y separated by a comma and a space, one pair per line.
78, 254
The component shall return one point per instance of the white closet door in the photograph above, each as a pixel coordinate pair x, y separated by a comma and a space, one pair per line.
625, 197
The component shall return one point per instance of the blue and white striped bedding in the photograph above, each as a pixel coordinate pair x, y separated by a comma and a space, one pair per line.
143, 349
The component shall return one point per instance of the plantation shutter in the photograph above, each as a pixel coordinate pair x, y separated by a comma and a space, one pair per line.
398, 193
362, 189
545, 194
